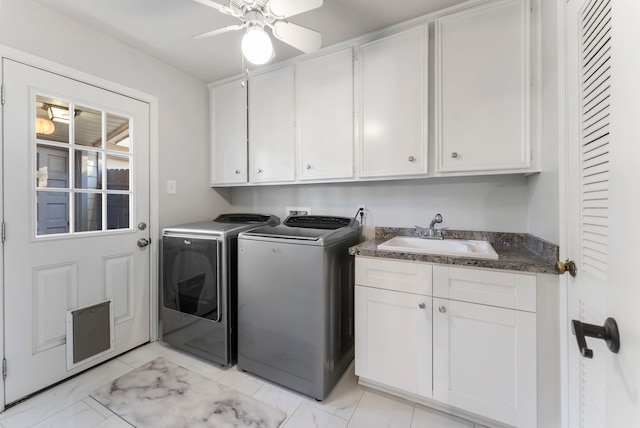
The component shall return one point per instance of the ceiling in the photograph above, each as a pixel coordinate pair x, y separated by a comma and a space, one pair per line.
163, 28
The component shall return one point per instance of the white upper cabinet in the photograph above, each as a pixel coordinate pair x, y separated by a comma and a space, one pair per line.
272, 127
392, 105
483, 89
361, 112
229, 133
324, 117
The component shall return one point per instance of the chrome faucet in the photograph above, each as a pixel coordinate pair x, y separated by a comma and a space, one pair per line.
431, 232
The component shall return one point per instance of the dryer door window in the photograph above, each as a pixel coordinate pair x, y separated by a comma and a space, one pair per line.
191, 276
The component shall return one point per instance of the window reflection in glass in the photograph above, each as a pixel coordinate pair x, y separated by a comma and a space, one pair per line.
52, 212
118, 211
88, 212
52, 119
88, 169
118, 137
118, 169
67, 169
88, 127
52, 166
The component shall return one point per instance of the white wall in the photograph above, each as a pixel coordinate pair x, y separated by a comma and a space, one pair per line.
183, 100
543, 202
493, 203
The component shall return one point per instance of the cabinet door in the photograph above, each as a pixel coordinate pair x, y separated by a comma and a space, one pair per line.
484, 360
482, 88
393, 339
393, 105
324, 95
229, 133
271, 127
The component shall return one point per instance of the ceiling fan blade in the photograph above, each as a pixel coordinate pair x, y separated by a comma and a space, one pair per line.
285, 8
219, 31
217, 6
299, 37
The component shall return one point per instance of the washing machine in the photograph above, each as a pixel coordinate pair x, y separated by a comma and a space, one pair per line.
295, 302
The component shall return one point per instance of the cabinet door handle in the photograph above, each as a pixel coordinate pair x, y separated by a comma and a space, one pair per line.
308, 167
237, 171
442, 309
454, 155
421, 305
412, 159
259, 171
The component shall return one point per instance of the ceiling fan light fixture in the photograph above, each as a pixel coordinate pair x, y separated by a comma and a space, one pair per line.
256, 45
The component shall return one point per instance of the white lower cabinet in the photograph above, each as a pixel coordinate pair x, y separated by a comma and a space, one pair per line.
470, 347
393, 341
484, 360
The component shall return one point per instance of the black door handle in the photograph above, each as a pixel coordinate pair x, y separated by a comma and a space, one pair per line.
608, 332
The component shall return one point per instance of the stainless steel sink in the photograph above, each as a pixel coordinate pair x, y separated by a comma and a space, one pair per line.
444, 247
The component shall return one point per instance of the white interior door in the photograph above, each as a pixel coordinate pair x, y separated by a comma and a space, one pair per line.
76, 174
602, 212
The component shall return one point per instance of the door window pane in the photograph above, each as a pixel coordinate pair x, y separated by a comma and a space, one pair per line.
118, 133
52, 166
88, 170
52, 119
118, 169
88, 212
118, 211
88, 127
73, 193
52, 212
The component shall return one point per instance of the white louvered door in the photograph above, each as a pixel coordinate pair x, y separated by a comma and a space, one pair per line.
588, 26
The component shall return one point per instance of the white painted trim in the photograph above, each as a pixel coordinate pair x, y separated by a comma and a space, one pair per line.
2, 395
152, 101
563, 179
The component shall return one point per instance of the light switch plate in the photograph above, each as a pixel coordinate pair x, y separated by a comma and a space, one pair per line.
171, 187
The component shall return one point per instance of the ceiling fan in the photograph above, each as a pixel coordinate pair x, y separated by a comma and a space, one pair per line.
255, 15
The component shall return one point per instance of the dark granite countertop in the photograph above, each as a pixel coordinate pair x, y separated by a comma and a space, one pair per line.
516, 251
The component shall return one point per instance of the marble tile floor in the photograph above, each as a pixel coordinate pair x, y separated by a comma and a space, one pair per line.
68, 405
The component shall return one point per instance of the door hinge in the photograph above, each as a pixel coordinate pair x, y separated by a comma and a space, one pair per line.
2, 94
4, 231
4, 368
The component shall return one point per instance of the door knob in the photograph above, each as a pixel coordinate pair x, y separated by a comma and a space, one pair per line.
568, 266
142, 242
608, 332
